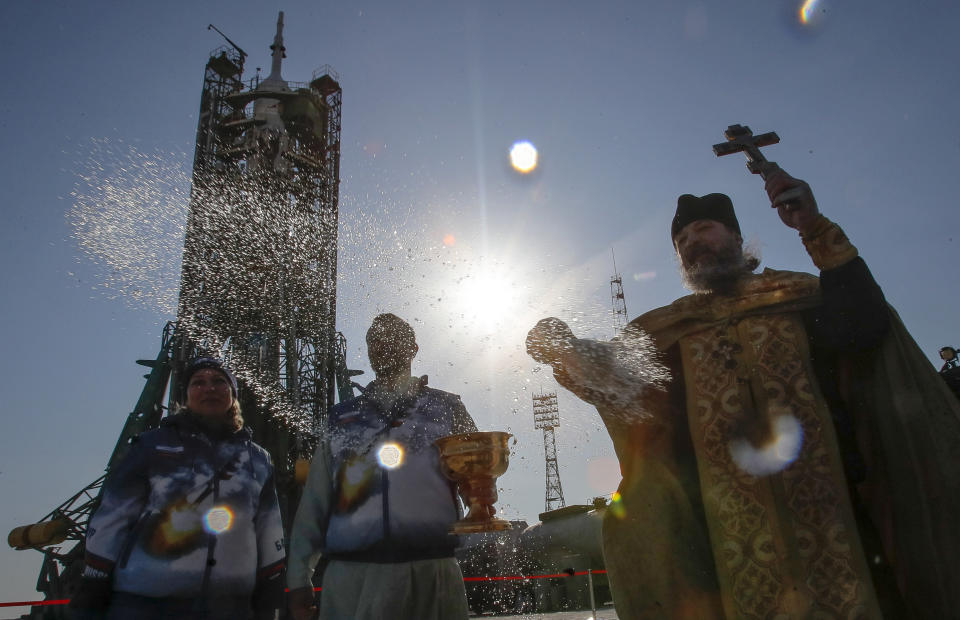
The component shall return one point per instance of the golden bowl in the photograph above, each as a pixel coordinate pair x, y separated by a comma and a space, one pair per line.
474, 461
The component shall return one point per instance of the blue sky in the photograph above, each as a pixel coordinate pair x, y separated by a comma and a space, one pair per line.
623, 101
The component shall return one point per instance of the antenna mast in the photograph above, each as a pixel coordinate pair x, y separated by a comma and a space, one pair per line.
619, 302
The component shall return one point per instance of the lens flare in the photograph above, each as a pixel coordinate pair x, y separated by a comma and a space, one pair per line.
390, 456
776, 455
218, 520
616, 506
806, 11
523, 156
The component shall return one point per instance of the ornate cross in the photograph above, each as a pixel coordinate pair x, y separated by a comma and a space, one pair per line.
740, 138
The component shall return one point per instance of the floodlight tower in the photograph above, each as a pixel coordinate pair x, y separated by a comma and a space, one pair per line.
258, 282
546, 415
619, 301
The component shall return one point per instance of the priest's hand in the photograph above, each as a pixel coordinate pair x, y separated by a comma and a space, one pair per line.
549, 340
793, 200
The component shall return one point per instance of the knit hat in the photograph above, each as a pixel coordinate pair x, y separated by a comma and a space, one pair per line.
717, 207
200, 363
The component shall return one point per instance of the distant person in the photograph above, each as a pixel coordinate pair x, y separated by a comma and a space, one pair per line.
797, 460
950, 371
376, 508
188, 525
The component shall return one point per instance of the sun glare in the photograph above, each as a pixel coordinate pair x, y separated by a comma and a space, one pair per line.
523, 156
806, 11
487, 297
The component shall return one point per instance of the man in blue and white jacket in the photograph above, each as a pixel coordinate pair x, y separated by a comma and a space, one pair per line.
377, 507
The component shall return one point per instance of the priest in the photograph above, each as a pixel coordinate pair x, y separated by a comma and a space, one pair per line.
786, 449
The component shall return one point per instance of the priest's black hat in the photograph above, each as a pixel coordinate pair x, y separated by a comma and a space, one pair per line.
716, 207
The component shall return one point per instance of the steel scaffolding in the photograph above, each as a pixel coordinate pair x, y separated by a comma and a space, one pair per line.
619, 302
258, 282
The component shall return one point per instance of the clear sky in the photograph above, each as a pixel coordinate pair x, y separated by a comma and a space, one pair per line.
623, 101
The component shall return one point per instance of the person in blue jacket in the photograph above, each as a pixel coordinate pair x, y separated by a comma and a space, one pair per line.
950, 371
376, 507
188, 525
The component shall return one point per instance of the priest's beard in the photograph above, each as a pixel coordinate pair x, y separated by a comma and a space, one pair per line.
717, 270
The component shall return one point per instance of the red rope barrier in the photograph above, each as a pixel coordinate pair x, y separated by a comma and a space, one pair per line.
510, 577
64, 601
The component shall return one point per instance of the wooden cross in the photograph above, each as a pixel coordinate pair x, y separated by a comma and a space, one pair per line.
740, 138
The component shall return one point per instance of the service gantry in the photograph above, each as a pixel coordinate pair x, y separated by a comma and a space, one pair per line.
546, 415
258, 284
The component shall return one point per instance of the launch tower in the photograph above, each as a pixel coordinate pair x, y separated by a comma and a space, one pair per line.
258, 284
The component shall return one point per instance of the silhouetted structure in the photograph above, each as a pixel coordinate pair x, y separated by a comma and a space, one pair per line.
258, 283
619, 302
546, 415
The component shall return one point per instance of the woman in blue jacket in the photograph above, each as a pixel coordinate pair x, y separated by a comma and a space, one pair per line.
188, 525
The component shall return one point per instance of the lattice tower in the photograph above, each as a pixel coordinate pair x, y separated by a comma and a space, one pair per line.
618, 300
258, 282
546, 415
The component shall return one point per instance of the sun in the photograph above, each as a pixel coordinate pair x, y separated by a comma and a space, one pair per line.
488, 297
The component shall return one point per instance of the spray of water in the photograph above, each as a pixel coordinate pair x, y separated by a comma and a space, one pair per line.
470, 303
128, 213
